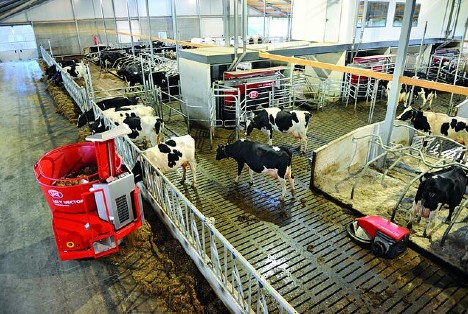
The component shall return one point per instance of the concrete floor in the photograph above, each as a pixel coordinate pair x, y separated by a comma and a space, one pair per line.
32, 278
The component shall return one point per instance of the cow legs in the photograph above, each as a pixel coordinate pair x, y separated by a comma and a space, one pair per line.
290, 178
240, 166
270, 137
449, 217
184, 173
251, 172
193, 169
416, 211
283, 188
430, 220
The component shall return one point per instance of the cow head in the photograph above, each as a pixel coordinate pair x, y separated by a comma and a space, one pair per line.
250, 124
408, 114
98, 126
432, 195
221, 152
85, 117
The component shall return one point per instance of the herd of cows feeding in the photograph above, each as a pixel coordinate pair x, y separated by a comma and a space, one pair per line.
179, 152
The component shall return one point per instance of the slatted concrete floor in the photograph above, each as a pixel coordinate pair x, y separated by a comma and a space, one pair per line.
301, 246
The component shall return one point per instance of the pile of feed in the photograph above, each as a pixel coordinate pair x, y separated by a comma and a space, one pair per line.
88, 172
161, 267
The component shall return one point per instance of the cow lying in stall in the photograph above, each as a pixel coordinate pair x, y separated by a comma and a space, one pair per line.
272, 160
443, 187
177, 152
434, 123
295, 122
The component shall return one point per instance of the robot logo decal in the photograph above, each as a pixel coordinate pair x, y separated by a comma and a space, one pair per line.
55, 194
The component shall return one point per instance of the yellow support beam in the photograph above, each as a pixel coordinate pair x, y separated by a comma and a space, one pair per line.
369, 73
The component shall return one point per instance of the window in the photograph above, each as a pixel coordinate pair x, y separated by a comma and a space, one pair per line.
376, 15
399, 11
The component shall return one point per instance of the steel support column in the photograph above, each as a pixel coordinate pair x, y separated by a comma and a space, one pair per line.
399, 68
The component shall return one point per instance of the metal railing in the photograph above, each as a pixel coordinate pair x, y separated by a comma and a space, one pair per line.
243, 288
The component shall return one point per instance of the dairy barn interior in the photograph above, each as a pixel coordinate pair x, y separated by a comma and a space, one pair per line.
96, 214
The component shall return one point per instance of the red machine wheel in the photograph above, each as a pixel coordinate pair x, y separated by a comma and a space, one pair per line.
378, 248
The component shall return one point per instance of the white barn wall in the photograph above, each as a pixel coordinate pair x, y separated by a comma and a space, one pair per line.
312, 15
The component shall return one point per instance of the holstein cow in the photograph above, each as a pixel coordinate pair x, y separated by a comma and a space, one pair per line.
105, 104
142, 126
435, 123
295, 122
402, 96
443, 187
177, 152
427, 95
272, 160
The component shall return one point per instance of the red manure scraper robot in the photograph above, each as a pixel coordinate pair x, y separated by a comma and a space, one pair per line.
384, 237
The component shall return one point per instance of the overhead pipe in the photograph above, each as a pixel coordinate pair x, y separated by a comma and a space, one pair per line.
290, 20
115, 22
174, 30
149, 31
104, 22
416, 68
227, 22
236, 34
244, 39
449, 22
456, 19
361, 33
458, 65
130, 28
76, 25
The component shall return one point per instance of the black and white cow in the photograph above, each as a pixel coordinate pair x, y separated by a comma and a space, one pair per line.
403, 96
427, 95
143, 127
177, 152
295, 122
272, 160
105, 104
435, 123
443, 187
75, 70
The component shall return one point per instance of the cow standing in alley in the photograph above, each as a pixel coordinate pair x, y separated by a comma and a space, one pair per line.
177, 152
443, 187
295, 122
403, 96
427, 95
272, 160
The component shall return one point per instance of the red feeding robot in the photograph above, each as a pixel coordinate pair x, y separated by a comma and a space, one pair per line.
94, 201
